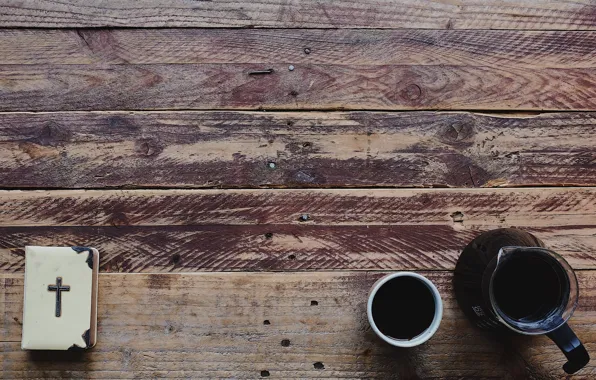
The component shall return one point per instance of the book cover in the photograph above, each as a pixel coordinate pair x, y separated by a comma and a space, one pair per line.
60, 305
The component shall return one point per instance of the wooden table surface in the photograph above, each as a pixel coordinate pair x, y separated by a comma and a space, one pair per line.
242, 218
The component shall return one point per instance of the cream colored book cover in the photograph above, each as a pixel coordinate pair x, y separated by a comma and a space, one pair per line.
60, 306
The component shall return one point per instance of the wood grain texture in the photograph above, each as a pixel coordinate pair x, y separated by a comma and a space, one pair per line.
279, 248
212, 325
532, 49
309, 86
537, 207
431, 14
314, 149
174, 231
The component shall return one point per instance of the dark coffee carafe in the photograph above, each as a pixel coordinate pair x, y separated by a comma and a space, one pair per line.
506, 278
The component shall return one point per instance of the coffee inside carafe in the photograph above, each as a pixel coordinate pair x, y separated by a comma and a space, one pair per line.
507, 278
530, 288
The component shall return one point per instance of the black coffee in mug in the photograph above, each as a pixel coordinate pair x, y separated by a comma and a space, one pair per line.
403, 308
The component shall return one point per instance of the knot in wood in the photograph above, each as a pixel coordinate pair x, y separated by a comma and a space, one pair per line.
148, 147
52, 134
457, 133
412, 92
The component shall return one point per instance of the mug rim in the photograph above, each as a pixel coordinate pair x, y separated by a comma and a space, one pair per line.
430, 330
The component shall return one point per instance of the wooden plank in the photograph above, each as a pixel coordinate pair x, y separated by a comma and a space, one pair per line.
308, 86
540, 207
429, 14
212, 325
314, 149
173, 231
535, 49
280, 247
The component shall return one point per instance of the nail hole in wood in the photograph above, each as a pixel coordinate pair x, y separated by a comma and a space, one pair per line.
268, 235
292, 257
266, 322
458, 217
314, 303
264, 373
285, 343
175, 258
319, 365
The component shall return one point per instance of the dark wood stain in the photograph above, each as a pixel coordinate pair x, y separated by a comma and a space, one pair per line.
448, 149
300, 207
159, 281
242, 248
119, 219
121, 124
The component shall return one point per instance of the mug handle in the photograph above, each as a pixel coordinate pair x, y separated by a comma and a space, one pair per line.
568, 342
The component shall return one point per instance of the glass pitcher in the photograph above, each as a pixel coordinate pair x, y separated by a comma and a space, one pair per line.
529, 289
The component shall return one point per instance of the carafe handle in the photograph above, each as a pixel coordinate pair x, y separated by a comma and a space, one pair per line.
568, 342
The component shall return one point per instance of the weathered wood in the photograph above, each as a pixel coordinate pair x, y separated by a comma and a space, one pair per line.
465, 14
534, 49
539, 207
279, 247
191, 230
308, 86
314, 149
212, 325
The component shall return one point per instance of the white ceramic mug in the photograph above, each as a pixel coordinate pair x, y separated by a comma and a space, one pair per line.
432, 327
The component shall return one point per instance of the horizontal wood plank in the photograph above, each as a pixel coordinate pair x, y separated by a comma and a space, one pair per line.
337, 69
173, 231
532, 49
307, 86
280, 247
465, 14
212, 325
539, 207
287, 149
